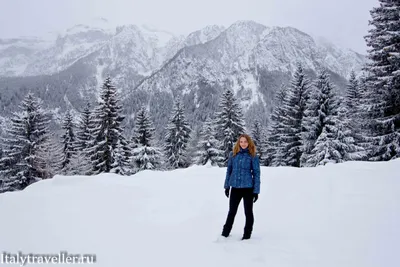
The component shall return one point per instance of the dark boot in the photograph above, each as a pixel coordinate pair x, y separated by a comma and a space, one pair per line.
225, 233
226, 229
246, 236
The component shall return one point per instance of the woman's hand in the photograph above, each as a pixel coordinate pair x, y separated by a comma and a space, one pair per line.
255, 197
227, 192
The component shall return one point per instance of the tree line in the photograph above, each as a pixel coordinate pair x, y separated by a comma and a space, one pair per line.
311, 124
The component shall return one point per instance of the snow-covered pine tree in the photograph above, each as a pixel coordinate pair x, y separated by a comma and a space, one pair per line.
257, 134
1, 150
69, 143
264, 157
351, 116
353, 95
229, 123
312, 122
192, 150
145, 156
275, 131
207, 148
52, 153
177, 138
348, 146
1, 167
364, 120
321, 122
83, 134
22, 163
106, 130
122, 158
82, 162
132, 146
384, 80
294, 104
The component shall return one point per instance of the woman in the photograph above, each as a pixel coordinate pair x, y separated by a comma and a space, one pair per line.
243, 175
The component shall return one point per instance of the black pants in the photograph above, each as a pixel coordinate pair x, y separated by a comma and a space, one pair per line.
236, 196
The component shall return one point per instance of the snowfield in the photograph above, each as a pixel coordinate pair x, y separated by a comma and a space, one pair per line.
343, 215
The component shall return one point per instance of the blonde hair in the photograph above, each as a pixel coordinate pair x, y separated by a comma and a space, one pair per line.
251, 147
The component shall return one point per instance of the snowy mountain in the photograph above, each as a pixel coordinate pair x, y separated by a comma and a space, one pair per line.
146, 46
151, 67
281, 48
204, 35
16, 54
76, 43
338, 59
343, 215
251, 59
273, 47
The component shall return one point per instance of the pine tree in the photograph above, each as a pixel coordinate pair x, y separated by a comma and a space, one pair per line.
105, 144
384, 80
348, 146
229, 123
353, 95
52, 153
275, 131
26, 138
363, 106
1, 167
177, 138
69, 142
325, 149
312, 121
264, 147
364, 120
81, 161
351, 117
83, 134
258, 138
145, 155
295, 107
122, 157
321, 122
195, 139
207, 148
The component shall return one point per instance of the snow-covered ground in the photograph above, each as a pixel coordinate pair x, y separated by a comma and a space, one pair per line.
333, 216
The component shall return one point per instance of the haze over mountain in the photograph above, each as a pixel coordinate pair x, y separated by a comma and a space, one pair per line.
152, 67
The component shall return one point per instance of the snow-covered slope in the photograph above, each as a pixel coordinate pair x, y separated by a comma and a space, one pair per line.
246, 43
341, 60
204, 35
198, 37
152, 67
133, 53
16, 54
245, 55
146, 46
77, 42
281, 49
214, 62
343, 215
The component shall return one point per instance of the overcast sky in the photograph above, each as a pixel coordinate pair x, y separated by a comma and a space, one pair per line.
344, 22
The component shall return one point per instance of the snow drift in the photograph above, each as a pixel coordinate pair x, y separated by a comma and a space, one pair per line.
337, 215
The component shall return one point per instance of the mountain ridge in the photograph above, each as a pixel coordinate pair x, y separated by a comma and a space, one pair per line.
250, 58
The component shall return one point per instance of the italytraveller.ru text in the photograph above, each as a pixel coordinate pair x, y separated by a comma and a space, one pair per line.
62, 257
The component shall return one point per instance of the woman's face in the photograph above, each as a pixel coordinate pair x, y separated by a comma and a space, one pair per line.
243, 142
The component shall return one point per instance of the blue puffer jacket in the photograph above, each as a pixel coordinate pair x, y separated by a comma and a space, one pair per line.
243, 171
